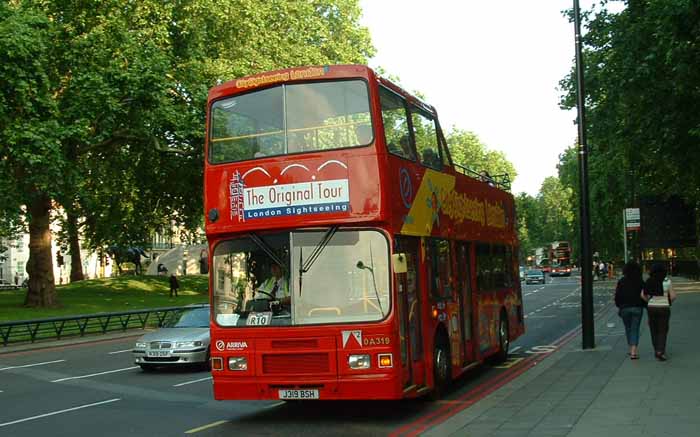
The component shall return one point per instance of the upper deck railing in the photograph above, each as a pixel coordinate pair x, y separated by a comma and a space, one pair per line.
501, 181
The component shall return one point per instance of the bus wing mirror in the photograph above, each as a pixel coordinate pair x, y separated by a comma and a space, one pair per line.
398, 262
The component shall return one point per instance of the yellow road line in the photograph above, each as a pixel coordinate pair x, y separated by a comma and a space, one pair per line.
202, 428
510, 363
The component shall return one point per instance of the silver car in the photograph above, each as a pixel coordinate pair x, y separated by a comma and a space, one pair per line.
183, 340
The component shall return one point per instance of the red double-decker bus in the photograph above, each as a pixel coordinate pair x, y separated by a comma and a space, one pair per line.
350, 258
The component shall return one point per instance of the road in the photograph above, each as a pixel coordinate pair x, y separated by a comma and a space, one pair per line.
95, 389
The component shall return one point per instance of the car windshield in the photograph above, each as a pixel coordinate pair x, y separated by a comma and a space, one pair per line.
290, 119
534, 272
301, 278
191, 318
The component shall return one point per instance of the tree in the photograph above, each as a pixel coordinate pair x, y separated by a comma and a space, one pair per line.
643, 94
468, 151
100, 93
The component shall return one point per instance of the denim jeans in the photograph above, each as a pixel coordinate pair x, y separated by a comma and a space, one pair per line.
632, 317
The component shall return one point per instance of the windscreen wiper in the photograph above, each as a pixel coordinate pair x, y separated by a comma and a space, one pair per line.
305, 266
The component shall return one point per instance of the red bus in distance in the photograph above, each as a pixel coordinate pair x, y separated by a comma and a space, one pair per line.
351, 259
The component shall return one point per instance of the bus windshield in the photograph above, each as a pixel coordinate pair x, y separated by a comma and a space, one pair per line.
326, 277
290, 119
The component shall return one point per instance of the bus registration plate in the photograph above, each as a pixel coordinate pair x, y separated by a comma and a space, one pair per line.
298, 394
259, 319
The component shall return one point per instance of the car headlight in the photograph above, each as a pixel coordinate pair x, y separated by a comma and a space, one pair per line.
238, 363
359, 361
187, 344
141, 345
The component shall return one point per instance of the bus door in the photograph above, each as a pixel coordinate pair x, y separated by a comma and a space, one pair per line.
444, 294
464, 285
410, 313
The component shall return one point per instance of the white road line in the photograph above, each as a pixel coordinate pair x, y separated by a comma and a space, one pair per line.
515, 349
276, 404
95, 374
59, 412
120, 352
31, 365
192, 382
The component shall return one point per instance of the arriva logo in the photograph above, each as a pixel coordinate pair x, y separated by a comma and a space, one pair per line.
231, 345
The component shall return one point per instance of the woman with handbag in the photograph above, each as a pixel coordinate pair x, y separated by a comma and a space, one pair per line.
630, 303
658, 293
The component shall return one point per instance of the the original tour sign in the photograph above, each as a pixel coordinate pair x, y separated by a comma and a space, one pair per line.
296, 190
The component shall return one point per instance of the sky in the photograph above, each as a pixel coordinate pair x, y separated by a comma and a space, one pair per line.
488, 66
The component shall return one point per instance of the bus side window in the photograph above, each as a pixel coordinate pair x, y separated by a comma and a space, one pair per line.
484, 279
395, 119
425, 135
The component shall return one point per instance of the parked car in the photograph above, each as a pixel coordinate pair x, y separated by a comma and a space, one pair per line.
534, 277
183, 340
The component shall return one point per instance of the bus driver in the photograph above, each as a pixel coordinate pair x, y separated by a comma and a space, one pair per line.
276, 287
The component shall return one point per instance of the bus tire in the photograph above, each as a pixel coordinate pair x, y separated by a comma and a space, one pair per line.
441, 367
503, 338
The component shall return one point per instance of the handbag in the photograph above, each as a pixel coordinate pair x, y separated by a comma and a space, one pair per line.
659, 301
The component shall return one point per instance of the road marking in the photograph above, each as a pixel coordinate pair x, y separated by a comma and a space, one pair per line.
509, 363
59, 412
192, 382
543, 317
120, 352
276, 404
543, 349
31, 365
515, 349
202, 428
95, 374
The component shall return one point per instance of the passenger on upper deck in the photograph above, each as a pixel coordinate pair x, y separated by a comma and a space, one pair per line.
431, 159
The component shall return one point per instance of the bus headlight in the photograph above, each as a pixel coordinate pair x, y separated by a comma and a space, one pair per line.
359, 362
238, 363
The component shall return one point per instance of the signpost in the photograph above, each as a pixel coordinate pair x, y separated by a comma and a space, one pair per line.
631, 222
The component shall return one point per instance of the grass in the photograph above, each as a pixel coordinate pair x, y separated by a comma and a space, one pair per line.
122, 293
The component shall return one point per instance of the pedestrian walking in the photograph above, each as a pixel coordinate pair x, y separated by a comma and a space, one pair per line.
16, 278
174, 285
631, 305
659, 294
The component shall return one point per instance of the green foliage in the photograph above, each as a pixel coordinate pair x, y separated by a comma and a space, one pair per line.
468, 151
95, 93
643, 95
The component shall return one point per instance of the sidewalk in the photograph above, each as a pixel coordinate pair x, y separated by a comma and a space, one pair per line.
600, 392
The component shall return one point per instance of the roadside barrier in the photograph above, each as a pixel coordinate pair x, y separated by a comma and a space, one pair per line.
24, 331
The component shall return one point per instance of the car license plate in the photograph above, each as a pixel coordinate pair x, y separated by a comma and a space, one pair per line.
298, 394
157, 353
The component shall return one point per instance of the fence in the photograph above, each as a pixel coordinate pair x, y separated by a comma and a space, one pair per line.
60, 327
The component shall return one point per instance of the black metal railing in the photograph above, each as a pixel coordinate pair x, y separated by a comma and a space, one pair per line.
501, 181
55, 328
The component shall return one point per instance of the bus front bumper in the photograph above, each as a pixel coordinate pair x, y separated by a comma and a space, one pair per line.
367, 387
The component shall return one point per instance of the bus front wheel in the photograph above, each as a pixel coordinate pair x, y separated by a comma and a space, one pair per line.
441, 367
503, 338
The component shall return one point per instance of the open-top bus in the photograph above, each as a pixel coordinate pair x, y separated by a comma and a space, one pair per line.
393, 269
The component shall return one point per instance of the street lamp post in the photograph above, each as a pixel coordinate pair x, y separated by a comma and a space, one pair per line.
587, 325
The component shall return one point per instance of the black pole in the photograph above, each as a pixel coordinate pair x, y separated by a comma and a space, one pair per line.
588, 334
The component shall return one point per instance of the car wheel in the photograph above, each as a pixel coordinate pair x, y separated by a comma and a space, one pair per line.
147, 367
